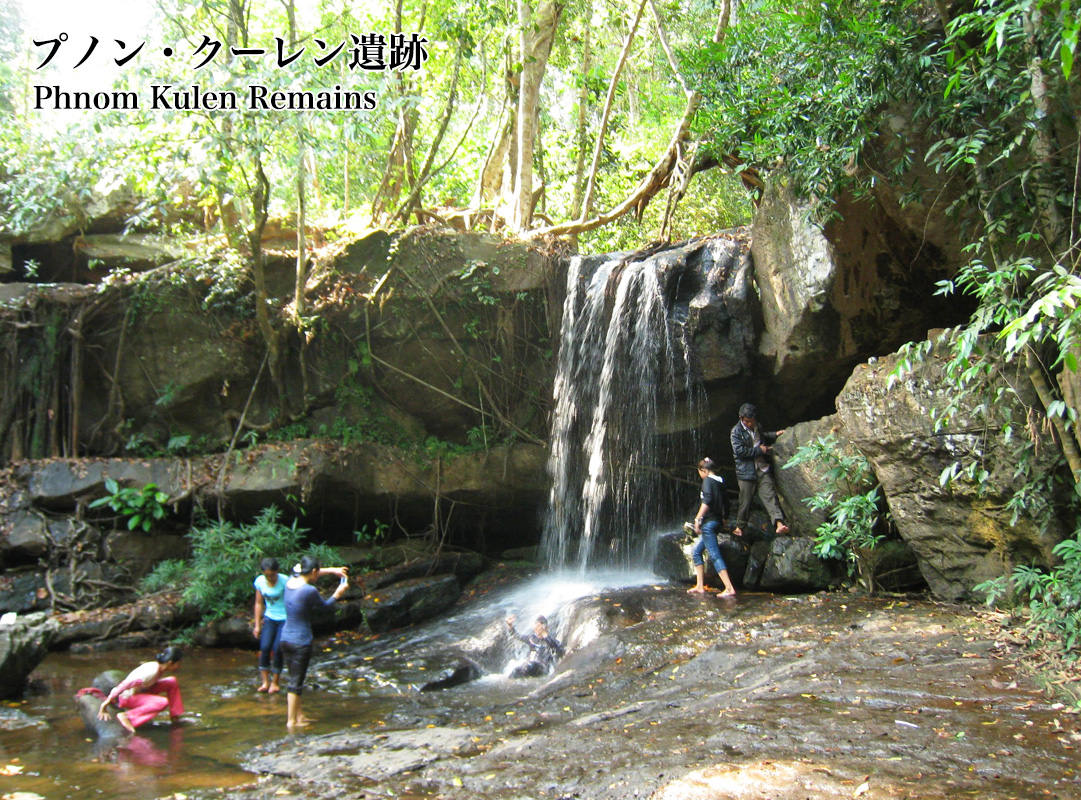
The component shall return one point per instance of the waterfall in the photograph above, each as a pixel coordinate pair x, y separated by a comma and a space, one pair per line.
616, 367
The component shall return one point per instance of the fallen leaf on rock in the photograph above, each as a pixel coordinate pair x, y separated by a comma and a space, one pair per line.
861, 789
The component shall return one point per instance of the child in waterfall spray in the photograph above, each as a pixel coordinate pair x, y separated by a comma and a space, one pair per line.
711, 513
544, 649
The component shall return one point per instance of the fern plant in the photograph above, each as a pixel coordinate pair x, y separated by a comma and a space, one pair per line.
1053, 598
848, 493
225, 560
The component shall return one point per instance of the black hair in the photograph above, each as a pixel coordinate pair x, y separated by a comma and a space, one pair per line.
706, 463
268, 563
169, 655
543, 620
748, 410
308, 563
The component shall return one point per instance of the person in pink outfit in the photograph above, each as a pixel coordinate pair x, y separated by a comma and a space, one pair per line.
146, 692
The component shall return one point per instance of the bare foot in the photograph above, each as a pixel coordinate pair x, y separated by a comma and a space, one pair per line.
122, 718
728, 593
737, 532
274, 689
263, 688
782, 529
302, 722
697, 590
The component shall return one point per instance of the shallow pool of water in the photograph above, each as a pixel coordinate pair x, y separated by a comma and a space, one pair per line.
355, 682
43, 735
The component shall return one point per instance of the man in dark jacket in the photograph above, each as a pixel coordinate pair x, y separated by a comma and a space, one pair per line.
544, 649
752, 448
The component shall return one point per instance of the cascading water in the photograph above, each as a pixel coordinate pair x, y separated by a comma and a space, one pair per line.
616, 367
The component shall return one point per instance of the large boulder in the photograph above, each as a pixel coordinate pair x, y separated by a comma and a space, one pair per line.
23, 590
24, 537
431, 312
465, 566
714, 303
833, 296
963, 533
140, 552
673, 559
797, 482
24, 643
409, 602
755, 561
496, 490
791, 565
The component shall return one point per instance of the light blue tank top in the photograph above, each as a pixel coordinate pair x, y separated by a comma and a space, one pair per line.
273, 596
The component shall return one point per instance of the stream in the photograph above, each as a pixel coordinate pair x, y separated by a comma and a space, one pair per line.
662, 694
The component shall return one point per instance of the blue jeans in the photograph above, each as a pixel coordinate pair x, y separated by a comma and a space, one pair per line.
270, 638
708, 541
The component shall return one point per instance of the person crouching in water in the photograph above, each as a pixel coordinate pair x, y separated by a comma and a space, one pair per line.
713, 510
544, 649
140, 695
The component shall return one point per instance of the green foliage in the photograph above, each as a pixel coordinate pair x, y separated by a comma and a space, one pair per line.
374, 533
143, 507
801, 85
43, 175
848, 493
1053, 598
167, 575
226, 557
475, 275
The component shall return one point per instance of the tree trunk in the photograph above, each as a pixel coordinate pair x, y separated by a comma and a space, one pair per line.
399, 172
613, 84
1071, 448
1043, 143
535, 36
490, 183
260, 205
652, 183
413, 200
302, 243
583, 121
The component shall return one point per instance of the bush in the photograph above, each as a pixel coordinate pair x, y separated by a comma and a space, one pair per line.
226, 558
1053, 597
171, 574
847, 490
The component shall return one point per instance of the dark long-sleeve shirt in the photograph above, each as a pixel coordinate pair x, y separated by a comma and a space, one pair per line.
299, 604
544, 651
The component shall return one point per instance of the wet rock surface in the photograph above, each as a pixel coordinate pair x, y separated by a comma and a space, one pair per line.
757, 560
24, 642
677, 696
